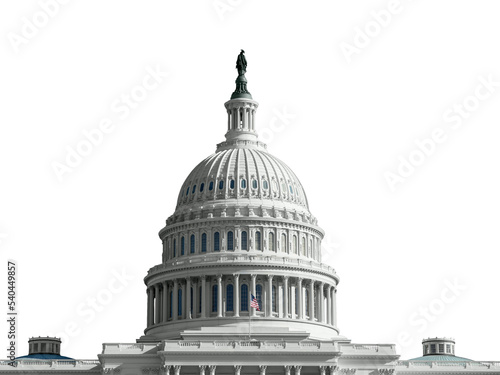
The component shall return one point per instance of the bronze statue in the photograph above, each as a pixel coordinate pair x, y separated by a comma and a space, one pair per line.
241, 63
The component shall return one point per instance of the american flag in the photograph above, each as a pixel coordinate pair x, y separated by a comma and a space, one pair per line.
254, 303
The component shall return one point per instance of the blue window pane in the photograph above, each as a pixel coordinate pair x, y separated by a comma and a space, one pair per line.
216, 241
211, 186
244, 241
182, 246
254, 184
175, 248
265, 185
231, 184
291, 190
204, 243
192, 244
229, 297
258, 241
179, 303
221, 185
258, 292
202, 186
244, 297
243, 184
194, 189
187, 191
214, 298
230, 241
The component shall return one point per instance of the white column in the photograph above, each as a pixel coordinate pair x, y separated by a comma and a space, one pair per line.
285, 297
321, 296
236, 294
164, 300
311, 300
253, 311
175, 307
150, 306
203, 297
334, 307
299, 302
188, 298
157, 303
219, 296
269, 309
328, 305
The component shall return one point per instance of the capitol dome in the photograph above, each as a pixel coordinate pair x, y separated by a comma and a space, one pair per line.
241, 229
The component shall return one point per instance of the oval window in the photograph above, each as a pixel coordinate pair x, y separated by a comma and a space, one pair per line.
291, 190
231, 184
194, 189
202, 186
254, 184
221, 184
243, 184
211, 186
265, 185
187, 191
275, 185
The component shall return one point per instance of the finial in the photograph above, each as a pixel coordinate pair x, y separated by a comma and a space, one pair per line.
241, 82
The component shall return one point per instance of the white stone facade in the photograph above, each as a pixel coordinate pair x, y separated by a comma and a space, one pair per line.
242, 227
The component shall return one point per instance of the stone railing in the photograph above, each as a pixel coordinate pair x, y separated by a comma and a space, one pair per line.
480, 366
226, 257
132, 348
245, 345
45, 364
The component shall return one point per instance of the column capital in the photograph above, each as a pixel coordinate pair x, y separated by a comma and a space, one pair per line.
203, 277
202, 369
262, 369
270, 277
285, 278
219, 278
236, 275
237, 369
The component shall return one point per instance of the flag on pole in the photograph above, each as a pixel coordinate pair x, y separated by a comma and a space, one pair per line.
254, 303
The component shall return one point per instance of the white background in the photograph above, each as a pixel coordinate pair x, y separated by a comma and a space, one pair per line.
394, 251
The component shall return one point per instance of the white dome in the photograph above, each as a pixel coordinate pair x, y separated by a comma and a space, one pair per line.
243, 174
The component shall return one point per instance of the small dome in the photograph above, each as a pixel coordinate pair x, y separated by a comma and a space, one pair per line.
243, 173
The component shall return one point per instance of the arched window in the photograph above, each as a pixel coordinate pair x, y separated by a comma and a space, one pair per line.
244, 297
204, 243
307, 302
244, 241
170, 304
231, 184
194, 189
283, 243
214, 298
192, 244
243, 184
175, 247
182, 245
274, 298
258, 292
216, 241
258, 241
221, 184
295, 244
202, 186
211, 186
271, 241
191, 302
303, 246
265, 185
229, 297
254, 184
230, 240
179, 303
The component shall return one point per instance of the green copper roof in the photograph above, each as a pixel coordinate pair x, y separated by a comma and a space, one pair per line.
441, 358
